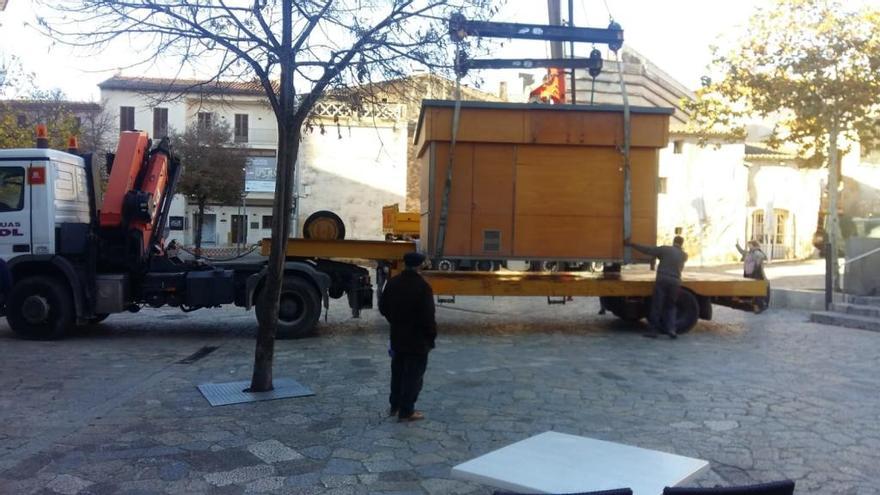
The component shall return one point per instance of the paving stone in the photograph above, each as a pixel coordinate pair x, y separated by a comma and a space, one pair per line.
761, 396
273, 451
239, 475
264, 485
343, 466
67, 484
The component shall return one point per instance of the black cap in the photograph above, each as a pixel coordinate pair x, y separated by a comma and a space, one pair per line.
414, 259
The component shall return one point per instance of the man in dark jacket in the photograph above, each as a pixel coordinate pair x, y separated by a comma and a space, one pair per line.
408, 305
668, 281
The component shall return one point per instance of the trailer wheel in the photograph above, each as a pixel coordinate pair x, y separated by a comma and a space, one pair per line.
40, 308
687, 311
298, 311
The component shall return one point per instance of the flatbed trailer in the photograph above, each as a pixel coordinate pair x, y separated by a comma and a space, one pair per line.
625, 294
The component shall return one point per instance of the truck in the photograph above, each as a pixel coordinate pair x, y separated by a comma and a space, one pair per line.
76, 255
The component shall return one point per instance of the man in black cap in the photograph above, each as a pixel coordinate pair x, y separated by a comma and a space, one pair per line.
408, 305
666, 285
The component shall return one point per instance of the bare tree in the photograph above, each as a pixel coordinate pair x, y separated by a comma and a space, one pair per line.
296, 49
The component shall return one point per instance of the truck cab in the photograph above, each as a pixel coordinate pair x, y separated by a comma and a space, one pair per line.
44, 199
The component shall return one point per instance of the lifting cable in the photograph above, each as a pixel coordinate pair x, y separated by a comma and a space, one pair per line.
627, 178
447, 184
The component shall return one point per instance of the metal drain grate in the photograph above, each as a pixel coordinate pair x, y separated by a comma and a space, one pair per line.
222, 394
199, 354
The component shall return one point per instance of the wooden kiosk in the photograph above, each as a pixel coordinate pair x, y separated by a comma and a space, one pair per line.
533, 181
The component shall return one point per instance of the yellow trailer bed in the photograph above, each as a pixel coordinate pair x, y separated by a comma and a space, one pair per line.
626, 294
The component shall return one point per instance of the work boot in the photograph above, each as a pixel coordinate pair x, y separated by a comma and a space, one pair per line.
393, 411
415, 416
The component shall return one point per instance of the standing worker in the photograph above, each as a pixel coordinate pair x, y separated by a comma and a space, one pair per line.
672, 259
408, 305
753, 267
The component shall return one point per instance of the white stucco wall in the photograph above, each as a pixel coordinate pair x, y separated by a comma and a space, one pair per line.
797, 191
706, 196
353, 176
183, 111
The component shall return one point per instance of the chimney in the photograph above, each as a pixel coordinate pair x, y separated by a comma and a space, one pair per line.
502, 91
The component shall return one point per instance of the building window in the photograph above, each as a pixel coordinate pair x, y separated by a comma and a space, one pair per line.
678, 146
758, 226
206, 119
77, 122
126, 118
661, 185
241, 128
21, 120
267, 221
160, 123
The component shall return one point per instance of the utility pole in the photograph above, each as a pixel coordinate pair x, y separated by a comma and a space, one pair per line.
832, 225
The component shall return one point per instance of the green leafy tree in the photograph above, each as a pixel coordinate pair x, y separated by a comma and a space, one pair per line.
40, 107
213, 169
813, 67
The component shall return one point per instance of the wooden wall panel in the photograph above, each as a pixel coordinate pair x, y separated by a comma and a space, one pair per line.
566, 237
567, 180
460, 197
544, 126
492, 203
477, 125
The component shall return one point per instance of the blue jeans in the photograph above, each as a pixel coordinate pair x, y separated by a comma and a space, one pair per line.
662, 316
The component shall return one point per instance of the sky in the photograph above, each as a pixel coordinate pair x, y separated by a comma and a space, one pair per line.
674, 34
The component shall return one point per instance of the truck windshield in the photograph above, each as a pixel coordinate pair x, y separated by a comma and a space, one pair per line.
11, 188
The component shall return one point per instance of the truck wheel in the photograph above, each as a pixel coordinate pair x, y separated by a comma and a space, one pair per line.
324, 225
629, 310
687, 311
40, 308
98, 318
298, 310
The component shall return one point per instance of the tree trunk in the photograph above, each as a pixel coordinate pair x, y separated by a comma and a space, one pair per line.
288, 147
200, 226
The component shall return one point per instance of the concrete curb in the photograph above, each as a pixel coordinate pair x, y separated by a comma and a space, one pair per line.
811, 300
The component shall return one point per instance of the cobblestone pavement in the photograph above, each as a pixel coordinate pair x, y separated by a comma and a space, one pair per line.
112, 411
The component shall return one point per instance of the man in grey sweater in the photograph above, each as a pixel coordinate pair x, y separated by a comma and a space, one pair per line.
672, 259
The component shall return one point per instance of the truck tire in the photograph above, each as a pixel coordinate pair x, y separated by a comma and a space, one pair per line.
98, 318
298, 311
324, 225
687, 311
629, 310
40, 308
